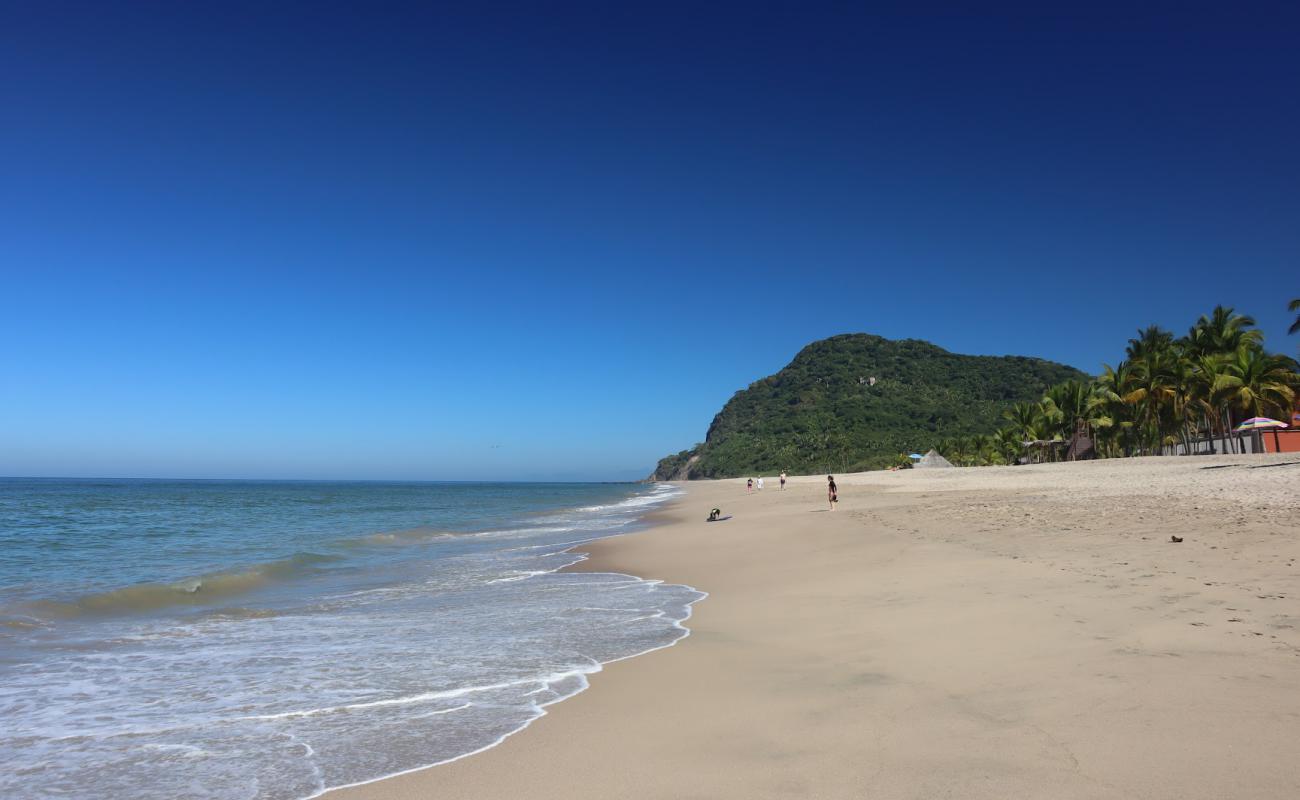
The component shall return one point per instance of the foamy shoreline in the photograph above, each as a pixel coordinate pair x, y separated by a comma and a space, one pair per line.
994, 632
580, 563
576, 566
399, 657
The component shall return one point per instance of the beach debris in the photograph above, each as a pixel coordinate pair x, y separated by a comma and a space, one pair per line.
1176, 539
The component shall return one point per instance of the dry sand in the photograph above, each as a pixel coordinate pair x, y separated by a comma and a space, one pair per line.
1025, 632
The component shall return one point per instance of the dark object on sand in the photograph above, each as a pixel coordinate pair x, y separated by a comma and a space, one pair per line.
714, 514
1175, 539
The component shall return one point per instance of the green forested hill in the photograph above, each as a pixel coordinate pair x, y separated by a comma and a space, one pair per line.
823, 412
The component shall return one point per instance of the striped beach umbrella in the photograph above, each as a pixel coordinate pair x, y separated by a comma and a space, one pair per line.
1261, 423
1264, 423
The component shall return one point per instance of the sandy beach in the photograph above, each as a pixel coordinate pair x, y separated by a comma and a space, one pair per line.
1027, 632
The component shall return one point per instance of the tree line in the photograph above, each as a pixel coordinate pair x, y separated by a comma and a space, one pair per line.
1189, 391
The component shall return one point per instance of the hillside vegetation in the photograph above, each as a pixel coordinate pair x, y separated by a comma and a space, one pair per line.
857, 401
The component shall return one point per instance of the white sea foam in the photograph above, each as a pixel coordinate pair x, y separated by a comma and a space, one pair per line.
425, 697
444, 654
541, 707
520, 575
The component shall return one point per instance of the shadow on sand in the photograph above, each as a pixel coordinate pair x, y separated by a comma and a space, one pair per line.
1253, 466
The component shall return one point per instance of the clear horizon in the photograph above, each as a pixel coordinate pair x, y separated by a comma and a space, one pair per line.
309, 243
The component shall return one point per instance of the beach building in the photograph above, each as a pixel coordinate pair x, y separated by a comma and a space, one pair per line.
1286, 440
932, 460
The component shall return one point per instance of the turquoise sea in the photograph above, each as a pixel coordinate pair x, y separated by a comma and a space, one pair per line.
272, 639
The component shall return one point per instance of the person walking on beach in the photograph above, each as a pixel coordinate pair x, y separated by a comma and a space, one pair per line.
759, 484
783, 480
832, 492
749, 486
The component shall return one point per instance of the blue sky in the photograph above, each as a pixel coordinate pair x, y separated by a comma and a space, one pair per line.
513, 243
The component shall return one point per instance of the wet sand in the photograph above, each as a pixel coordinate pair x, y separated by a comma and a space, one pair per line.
968, 633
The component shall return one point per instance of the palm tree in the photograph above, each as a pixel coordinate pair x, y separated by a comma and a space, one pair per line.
1182, 414
1201, 354
1152, 390
1008, 444
1067, 404
1294, 305
1224, 331
1114, 414
1205, 399
961, 451
1023, 417
953, 449
1152, 339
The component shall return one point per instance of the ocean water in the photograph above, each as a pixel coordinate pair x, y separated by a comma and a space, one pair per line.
230, 639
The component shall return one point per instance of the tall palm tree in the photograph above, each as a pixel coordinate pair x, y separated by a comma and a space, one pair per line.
1152, 339
1152, 390
956, 451
1115, 416
1022, 417
1008, 443
1183, 415
1294, 305
1206, 401
1067, 404
1224, 331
